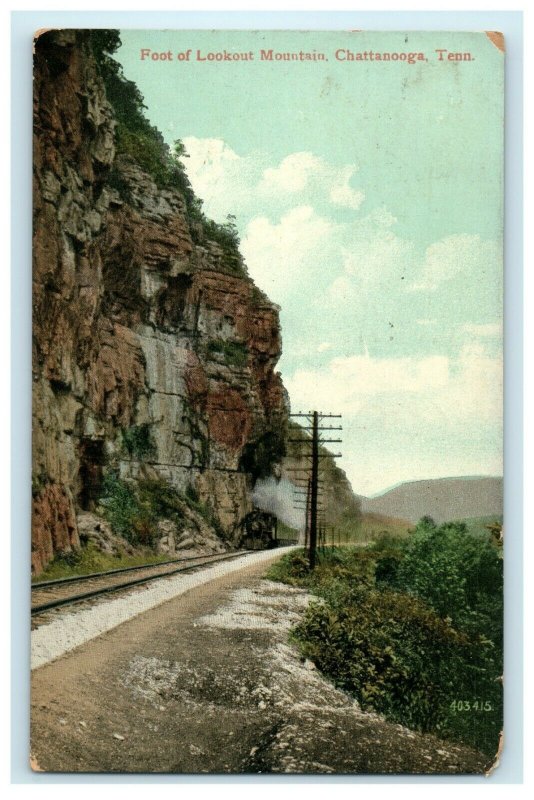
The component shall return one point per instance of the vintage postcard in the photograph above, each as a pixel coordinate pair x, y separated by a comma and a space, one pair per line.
267, 402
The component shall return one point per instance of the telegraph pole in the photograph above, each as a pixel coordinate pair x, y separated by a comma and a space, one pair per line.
308, 515
314, 489
312, 499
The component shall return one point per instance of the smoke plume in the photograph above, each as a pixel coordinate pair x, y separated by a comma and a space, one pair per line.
277, 497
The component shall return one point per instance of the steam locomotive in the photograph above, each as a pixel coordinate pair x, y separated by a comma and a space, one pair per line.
259, 531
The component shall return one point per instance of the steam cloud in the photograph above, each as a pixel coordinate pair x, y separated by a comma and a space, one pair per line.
277, 498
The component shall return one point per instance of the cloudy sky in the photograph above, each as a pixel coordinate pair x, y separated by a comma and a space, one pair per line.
368, 200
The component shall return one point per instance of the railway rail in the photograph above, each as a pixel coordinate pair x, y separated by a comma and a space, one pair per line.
48, 595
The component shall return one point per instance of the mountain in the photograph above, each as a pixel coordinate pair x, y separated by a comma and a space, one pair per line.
443, 499
154, 353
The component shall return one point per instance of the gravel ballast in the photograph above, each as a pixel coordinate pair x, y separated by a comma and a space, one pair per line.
72, 628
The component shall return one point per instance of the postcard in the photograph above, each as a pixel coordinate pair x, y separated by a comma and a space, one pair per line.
267, 529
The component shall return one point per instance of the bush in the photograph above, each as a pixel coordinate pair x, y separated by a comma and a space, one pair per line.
398, 657
293, 568
235, 353
418, 663
333, 565
134, 510
458, 574
128, 515
138, 441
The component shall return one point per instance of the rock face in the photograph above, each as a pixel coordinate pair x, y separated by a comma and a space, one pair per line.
152, 355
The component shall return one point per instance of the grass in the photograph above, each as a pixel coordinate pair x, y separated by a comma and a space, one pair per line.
138, 441
373, 525
351, 530
90, 559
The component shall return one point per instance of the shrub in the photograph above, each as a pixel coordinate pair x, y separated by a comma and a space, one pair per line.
138, 441
133, 510
458, 574
398, 657
396, 652
293, 568
235, 353
127, 514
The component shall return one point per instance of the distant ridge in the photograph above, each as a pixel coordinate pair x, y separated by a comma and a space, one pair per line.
443, 499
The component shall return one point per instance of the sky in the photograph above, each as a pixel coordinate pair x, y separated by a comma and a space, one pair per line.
368, 198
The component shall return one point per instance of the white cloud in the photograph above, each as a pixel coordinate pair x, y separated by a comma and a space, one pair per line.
280, 254
340, 292
292, 174
406, 391
489, 330
299, 172
345, 195
461, 254
230, 183
369, 256
222, 178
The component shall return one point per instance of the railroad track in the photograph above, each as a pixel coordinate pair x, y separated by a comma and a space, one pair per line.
48, 595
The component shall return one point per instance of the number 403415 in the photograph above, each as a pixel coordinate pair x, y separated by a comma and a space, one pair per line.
471, 705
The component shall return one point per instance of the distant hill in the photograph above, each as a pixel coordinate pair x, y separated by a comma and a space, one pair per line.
443, 499
372, 525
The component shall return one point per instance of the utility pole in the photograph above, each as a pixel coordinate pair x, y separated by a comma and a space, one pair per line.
312, 499
314, 489
308, 516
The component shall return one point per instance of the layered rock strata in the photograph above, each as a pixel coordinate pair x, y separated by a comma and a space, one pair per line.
141, 326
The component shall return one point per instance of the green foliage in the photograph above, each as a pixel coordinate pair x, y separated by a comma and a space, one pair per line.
293, 568
134, 510
386, 542
410, 627
137, 138
398, 657
334, 564
90, 559
164, 501
235, 353
129, 515
226, 234
458, 574
260, 455
389, 551
192, 494
138, 441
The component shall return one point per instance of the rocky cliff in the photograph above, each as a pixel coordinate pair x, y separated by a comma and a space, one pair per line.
153, 352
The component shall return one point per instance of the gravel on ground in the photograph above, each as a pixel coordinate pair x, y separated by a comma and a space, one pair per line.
210, 682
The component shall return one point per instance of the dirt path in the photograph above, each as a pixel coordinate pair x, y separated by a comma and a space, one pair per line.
207, 683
